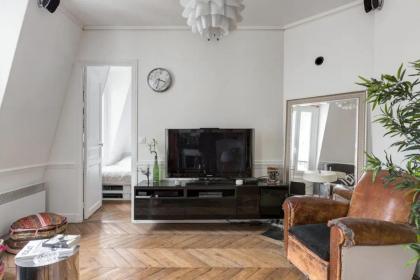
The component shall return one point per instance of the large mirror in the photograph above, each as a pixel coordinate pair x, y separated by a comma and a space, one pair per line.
325, 140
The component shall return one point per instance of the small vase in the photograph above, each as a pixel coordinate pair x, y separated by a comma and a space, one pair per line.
156, 173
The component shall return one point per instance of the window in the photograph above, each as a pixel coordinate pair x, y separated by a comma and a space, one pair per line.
304, 138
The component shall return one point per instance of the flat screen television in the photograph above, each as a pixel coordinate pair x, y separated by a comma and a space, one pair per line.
209, 153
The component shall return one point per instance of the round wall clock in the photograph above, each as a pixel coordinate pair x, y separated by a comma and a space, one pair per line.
159, 80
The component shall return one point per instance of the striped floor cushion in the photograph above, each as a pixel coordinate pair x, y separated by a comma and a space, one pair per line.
13, 247
2, 270
2, 249
42, 225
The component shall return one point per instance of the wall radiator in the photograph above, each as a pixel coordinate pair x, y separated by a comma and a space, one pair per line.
20, 203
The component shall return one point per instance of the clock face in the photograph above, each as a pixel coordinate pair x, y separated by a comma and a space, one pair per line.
159, 80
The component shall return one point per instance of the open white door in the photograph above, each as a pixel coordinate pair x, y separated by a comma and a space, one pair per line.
95, 78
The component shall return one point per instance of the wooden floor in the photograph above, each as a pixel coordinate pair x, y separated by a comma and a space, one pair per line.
113, 248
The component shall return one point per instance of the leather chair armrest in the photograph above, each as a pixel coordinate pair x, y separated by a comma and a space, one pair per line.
300, 210
356, 231
344, 192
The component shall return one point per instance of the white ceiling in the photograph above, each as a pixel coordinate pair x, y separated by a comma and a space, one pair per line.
157, 13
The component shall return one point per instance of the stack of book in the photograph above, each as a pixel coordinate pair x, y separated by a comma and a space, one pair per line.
60, 246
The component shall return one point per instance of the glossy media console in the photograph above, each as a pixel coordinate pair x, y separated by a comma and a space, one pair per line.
198, 201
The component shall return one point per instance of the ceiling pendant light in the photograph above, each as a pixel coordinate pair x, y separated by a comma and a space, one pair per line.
212, 19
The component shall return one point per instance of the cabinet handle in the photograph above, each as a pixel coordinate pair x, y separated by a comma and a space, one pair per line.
144, 196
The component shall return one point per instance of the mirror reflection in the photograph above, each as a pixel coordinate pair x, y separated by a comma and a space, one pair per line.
323, 139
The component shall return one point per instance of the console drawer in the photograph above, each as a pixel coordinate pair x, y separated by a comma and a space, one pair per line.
159, 209
210, 208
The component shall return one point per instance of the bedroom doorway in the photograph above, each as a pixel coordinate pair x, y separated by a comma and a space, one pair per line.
110, 121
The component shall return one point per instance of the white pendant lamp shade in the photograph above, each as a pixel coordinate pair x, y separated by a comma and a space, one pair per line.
212, 18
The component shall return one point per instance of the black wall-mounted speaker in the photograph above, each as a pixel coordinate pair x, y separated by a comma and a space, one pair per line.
50, 5
319, 60
373, 5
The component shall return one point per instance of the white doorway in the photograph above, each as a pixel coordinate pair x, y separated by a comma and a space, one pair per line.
109, 134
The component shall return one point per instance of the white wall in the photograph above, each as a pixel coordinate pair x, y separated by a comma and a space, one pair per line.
216, 84
396, 41
34, 95
11, 18
354, 44
234, 83
345, 40
64, 175
22, 207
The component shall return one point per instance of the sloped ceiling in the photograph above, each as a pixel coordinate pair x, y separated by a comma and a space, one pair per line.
168, 12
37, 84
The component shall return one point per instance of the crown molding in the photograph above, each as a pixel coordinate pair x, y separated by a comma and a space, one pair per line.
173, 28
64, 11
324, 14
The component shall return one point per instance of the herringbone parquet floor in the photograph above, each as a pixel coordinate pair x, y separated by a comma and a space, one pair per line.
113, 248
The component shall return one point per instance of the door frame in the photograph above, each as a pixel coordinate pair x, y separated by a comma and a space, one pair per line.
134, 64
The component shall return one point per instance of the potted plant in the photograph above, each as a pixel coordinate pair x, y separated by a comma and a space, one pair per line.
398, 99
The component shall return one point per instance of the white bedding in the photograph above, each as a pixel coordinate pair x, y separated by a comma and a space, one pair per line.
118, 173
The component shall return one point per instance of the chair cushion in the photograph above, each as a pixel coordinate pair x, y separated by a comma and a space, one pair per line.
316, 237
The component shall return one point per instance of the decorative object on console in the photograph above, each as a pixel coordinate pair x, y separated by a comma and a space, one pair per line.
398, 99
146, 173
153, 151
273, 175
321, 177
159, 79
213, 19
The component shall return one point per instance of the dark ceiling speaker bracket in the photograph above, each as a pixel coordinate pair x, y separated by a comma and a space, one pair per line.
50, 5
371, 5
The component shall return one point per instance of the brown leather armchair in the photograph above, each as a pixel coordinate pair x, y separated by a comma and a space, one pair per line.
363, 239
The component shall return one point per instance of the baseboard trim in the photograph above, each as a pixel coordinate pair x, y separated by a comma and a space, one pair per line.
75, 218
94, 208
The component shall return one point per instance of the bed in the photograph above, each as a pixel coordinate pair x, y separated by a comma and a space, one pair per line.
118, 173
116, 180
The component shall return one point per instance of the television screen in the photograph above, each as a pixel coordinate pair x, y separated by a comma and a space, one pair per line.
198, 153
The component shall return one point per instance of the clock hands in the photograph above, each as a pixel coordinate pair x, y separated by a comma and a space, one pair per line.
157, 83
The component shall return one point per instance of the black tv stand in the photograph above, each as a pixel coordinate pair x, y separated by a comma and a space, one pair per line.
197, 201
212, 181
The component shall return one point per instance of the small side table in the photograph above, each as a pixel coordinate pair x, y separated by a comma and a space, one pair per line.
63, 269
